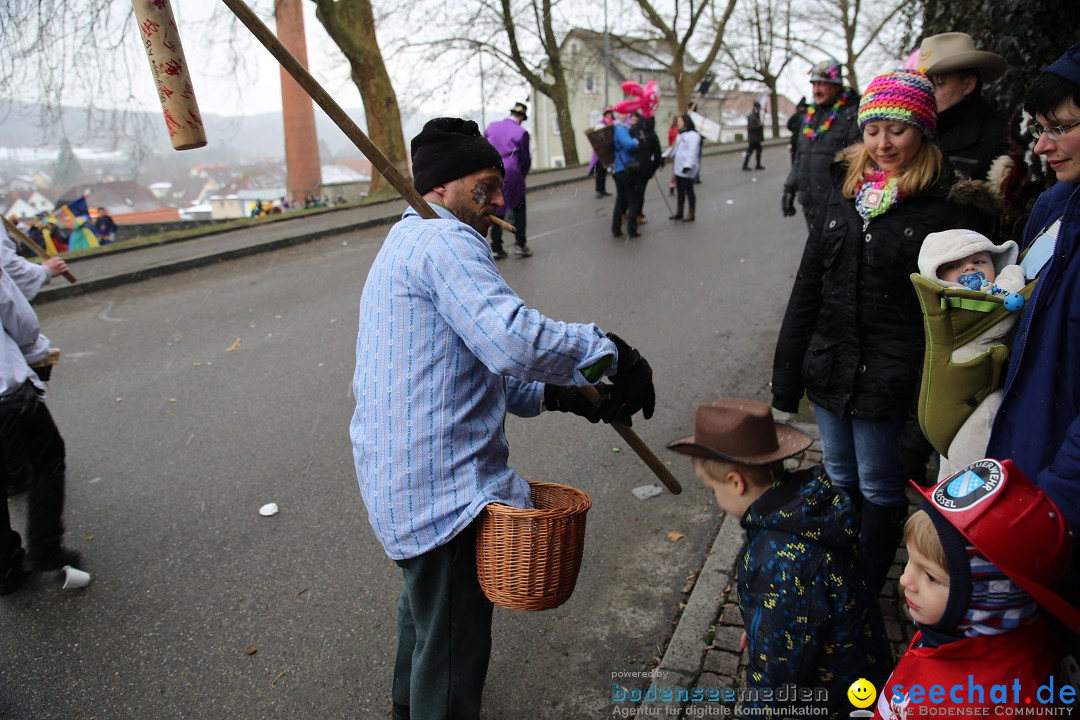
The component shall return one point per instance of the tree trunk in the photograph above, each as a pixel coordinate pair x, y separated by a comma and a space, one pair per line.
774, 102
351, 25
566, 124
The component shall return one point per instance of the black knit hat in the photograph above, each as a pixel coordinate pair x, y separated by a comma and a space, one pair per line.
450, 148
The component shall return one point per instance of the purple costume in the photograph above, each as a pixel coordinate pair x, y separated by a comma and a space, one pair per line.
512, 142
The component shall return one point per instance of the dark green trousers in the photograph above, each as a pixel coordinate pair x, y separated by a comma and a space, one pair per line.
444, 633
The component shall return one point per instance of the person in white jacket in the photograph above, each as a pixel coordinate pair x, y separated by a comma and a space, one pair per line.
26, 421
27, 275
687, 162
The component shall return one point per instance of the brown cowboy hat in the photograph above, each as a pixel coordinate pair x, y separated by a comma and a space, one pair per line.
939, 54
742, 431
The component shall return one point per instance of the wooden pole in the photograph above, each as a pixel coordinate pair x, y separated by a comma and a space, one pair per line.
380, 162
639, 446
22, 237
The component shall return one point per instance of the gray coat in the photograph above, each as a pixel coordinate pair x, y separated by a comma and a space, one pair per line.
809, 175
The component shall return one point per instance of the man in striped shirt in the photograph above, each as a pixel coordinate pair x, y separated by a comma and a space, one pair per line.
445, 350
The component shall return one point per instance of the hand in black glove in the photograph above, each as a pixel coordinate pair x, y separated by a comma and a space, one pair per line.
686, 171
571, 400
787, 202
632, 387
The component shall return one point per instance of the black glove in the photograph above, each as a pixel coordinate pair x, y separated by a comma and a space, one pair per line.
632, 387
787, 202
570, 399
686, 171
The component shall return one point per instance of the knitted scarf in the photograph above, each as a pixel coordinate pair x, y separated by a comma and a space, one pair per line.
880, 193
808, 121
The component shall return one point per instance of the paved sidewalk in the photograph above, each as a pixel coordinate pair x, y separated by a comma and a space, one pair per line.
704, 650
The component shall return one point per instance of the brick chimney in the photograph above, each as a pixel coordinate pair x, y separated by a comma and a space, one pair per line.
301, 142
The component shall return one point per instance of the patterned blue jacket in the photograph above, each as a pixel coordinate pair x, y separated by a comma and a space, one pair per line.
810, 620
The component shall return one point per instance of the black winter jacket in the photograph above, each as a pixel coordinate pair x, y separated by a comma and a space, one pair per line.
809, 174
971, 134
852, 336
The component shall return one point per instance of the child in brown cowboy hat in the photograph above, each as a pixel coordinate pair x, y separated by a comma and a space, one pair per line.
810, 619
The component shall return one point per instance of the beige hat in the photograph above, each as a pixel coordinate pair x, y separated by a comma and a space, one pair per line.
956, 51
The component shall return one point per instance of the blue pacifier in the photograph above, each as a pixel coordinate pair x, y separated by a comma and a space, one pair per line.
973, 281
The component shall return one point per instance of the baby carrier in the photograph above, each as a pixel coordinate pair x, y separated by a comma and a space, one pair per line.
951, 390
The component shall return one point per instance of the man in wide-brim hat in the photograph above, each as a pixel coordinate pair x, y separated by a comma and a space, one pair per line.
971, 133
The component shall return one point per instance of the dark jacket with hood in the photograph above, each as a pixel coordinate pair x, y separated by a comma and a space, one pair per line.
809, 174
810, 619
852, 335
971, 134
1038, 423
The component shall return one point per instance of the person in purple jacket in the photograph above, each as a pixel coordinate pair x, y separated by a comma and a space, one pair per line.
512, 142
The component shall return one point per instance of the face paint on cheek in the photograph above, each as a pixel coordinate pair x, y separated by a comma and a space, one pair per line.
479, 194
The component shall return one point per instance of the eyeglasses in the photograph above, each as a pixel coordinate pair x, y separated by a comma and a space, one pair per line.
1054, 133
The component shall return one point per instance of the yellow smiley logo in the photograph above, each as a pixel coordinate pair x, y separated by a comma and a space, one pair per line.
862, 693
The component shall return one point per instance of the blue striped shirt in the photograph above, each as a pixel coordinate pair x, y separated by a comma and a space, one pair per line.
445, 350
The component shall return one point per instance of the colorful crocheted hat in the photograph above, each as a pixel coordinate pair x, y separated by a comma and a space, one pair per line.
826, 71
905, 96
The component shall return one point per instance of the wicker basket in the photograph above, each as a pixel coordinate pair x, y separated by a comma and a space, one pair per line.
602, 140
529, 559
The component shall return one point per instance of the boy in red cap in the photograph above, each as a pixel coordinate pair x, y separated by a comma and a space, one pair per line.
977, 592
810, 618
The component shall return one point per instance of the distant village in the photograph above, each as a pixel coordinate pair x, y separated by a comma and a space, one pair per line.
54, 186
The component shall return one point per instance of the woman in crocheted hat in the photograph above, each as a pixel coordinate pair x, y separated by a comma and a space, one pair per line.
852, 336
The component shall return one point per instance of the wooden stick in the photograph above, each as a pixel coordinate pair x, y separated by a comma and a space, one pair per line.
380, 162
503, 224
22, 237
638, 445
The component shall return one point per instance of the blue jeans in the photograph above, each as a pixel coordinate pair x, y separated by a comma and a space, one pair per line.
863, 455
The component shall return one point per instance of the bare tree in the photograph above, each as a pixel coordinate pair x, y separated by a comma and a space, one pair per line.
856, 28
765, 48
525, 38
87, 52
678, 35
351, 25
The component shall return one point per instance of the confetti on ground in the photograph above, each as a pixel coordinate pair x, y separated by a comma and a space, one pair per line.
268, 510
673, 536
235, 344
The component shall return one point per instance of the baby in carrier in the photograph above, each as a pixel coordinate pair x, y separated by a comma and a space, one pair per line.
971, 291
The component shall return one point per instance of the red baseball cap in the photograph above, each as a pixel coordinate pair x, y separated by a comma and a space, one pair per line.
1014, 525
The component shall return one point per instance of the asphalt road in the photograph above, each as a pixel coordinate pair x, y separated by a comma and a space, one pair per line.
189, 401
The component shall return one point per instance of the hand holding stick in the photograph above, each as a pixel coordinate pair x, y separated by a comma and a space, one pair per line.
638, 445
25, 240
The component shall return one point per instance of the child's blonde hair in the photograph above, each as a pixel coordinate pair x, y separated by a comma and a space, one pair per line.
920, 533
759, 475
919, 174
